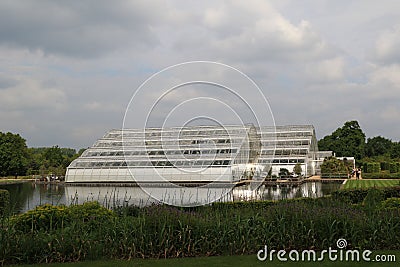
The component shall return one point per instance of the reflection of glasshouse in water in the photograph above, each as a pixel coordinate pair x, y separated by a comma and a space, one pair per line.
195, 154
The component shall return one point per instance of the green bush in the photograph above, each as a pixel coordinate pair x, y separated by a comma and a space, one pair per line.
159, 231
373, 198
381, 175
4, 202
48, 217
358, 195
45, 217
92, 214
385, 166
394, 167
372, 167
391, 203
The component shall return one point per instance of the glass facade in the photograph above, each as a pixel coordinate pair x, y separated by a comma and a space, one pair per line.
194, 154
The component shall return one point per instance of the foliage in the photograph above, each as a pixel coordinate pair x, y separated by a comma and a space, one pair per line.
297, 169
348, 140
394, 167
4, 202
45, 217
391, 203
372, 167
395, 152
381, 175
45, 160
17, 159
377, 146
283, 172
373, 198
333, 165
161, 231
48, 217
357, 195
13, 154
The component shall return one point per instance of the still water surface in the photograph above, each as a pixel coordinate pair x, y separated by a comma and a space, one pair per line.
26, 196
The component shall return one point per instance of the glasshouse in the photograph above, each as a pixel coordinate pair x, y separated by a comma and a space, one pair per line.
198, 154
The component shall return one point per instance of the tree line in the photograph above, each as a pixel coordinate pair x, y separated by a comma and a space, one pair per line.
16, 159
350, 141
347, 141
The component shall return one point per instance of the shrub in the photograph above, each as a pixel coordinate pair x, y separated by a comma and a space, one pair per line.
161, 231
394, 167
358, 195
373, 198
48, 217
372, 167
91, 214
393, 191
131, 210
385, 165
381, 175
44, 217
4, 202
391, 203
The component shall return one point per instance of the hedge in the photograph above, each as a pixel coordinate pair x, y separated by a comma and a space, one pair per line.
381, 175
357, 195
371, 167
394, 167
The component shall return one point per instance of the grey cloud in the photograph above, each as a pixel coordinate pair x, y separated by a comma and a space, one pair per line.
387, 48
313, 64
78, 28
6, 82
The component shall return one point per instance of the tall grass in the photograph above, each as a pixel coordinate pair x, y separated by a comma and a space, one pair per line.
90, 231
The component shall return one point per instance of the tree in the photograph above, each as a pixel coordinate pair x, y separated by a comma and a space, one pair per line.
297, 169
346, 141
378, 146
395, 151
333, 165
283, 172
13, 154
54, 155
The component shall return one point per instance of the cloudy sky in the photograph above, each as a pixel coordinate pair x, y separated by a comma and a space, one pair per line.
68, 69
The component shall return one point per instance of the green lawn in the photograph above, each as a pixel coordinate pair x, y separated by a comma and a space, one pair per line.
369, 183
222, 261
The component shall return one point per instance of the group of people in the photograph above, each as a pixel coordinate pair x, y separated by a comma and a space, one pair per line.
356, 172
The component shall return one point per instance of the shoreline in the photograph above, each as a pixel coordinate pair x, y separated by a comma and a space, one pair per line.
8, 181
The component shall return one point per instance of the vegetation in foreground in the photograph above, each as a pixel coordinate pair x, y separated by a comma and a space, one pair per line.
366, 218
222, 261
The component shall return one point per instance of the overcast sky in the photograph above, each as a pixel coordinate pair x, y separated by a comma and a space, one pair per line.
68, 69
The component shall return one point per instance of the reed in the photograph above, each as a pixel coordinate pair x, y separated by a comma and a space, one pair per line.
91, 231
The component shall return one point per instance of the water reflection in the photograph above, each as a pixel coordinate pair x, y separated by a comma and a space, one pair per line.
27, 196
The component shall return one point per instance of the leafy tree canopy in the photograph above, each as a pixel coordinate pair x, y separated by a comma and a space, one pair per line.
13, 154
378, 146
297, 169
333, 165
348, 140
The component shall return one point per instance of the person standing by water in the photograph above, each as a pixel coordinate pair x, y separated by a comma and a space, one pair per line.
357, 173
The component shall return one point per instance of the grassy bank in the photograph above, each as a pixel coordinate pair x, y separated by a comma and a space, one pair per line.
91, 232
12, 181
369, 183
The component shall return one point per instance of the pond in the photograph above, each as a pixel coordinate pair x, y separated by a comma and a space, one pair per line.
26, 196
